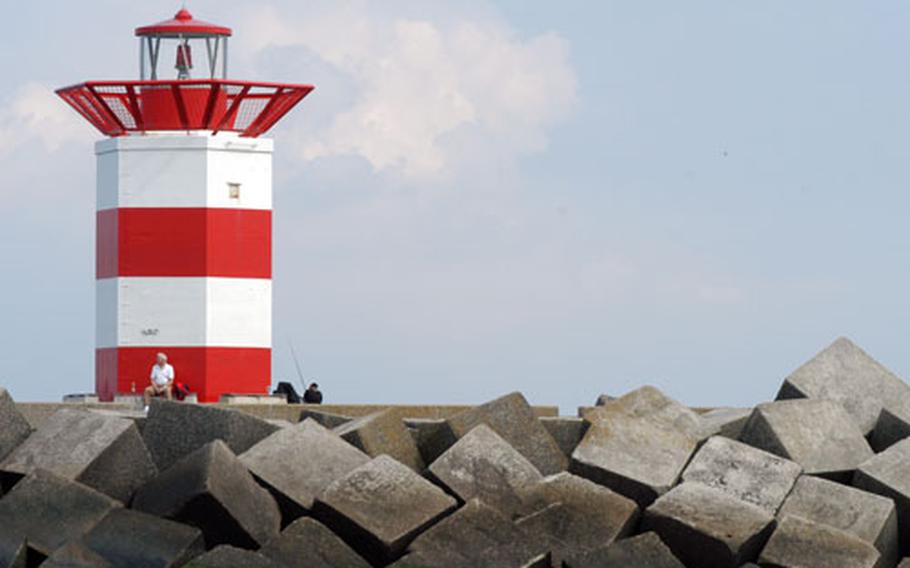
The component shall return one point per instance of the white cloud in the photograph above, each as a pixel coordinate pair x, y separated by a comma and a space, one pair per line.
35, 112
428, 95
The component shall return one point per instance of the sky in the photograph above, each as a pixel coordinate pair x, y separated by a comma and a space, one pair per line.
561, 198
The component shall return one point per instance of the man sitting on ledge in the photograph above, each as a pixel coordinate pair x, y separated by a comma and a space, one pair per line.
162, 380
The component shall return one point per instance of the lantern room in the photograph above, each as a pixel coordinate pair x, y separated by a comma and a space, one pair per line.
182, 40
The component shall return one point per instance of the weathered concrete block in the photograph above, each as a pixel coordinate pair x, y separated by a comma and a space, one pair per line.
566, 430
14, 428
432, 436
328, 419
14, 552
383, 433
844, 373
103, 452
586, 515
381, 506
651, 404
306, 543
867, 516
298, 462
708, 528
642, 551
75, 555
752, 475
893, 424
797, 542
817, 434
886, 474
726, 422
483, 465
174, 430
514, 420
134, 539
905, 563
632, 456
475, 536
50, 511
212, 490
226, 556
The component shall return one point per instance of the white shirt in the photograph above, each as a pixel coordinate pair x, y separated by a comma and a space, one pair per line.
162, 375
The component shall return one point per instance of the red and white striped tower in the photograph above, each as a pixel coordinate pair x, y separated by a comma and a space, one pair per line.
184, 221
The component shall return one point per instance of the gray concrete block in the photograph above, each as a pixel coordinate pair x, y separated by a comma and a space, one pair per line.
212, 490
134, 539
174, 429
328, 419
380, 507
867, 516
799, 543
49, 511
103, 452
726, 422
483, 465
846, 374
380, 433
14, 428
752, 475
475, 536
817, 434
905, 563
432, 436
306, 543
226, 556
566, 430
589, 515
514, 420
893, 424
653, 405
886, 474
633, 456
642, 551
708, 528
298, 462
14, 552
75, 555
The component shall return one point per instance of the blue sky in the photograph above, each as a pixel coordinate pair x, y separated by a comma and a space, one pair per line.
559, 198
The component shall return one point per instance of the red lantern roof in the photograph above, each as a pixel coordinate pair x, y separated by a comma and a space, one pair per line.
184, 25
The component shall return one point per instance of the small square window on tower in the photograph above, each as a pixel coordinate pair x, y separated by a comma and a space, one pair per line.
233, 190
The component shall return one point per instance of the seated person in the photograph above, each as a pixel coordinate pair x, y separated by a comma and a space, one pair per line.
162, 379
312, 395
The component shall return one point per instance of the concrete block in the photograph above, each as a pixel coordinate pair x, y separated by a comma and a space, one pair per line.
752, 475
381, 506
383, 433
475, 536
886, 474
566, 430
306, 543
134, 539
81, 398
588, 516
482, 465
817, 434
651, 404
174, 430
212, 490
298, 462
229, 398
800, 543
726, 422
328, 419
50, 511
633, 456
103, 452
708, 528
432, 436
867, 516
75, 555
642, 551
844, 373
14, 428
905, 563
227, 556
14, 552
514, 420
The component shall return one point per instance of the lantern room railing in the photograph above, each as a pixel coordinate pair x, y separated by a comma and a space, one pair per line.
117, 108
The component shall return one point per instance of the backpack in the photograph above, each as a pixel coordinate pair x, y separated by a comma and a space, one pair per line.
180, 390
287, 389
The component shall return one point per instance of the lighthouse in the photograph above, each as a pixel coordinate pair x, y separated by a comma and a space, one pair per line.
184, 214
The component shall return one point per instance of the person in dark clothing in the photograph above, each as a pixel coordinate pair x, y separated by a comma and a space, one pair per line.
312, 394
